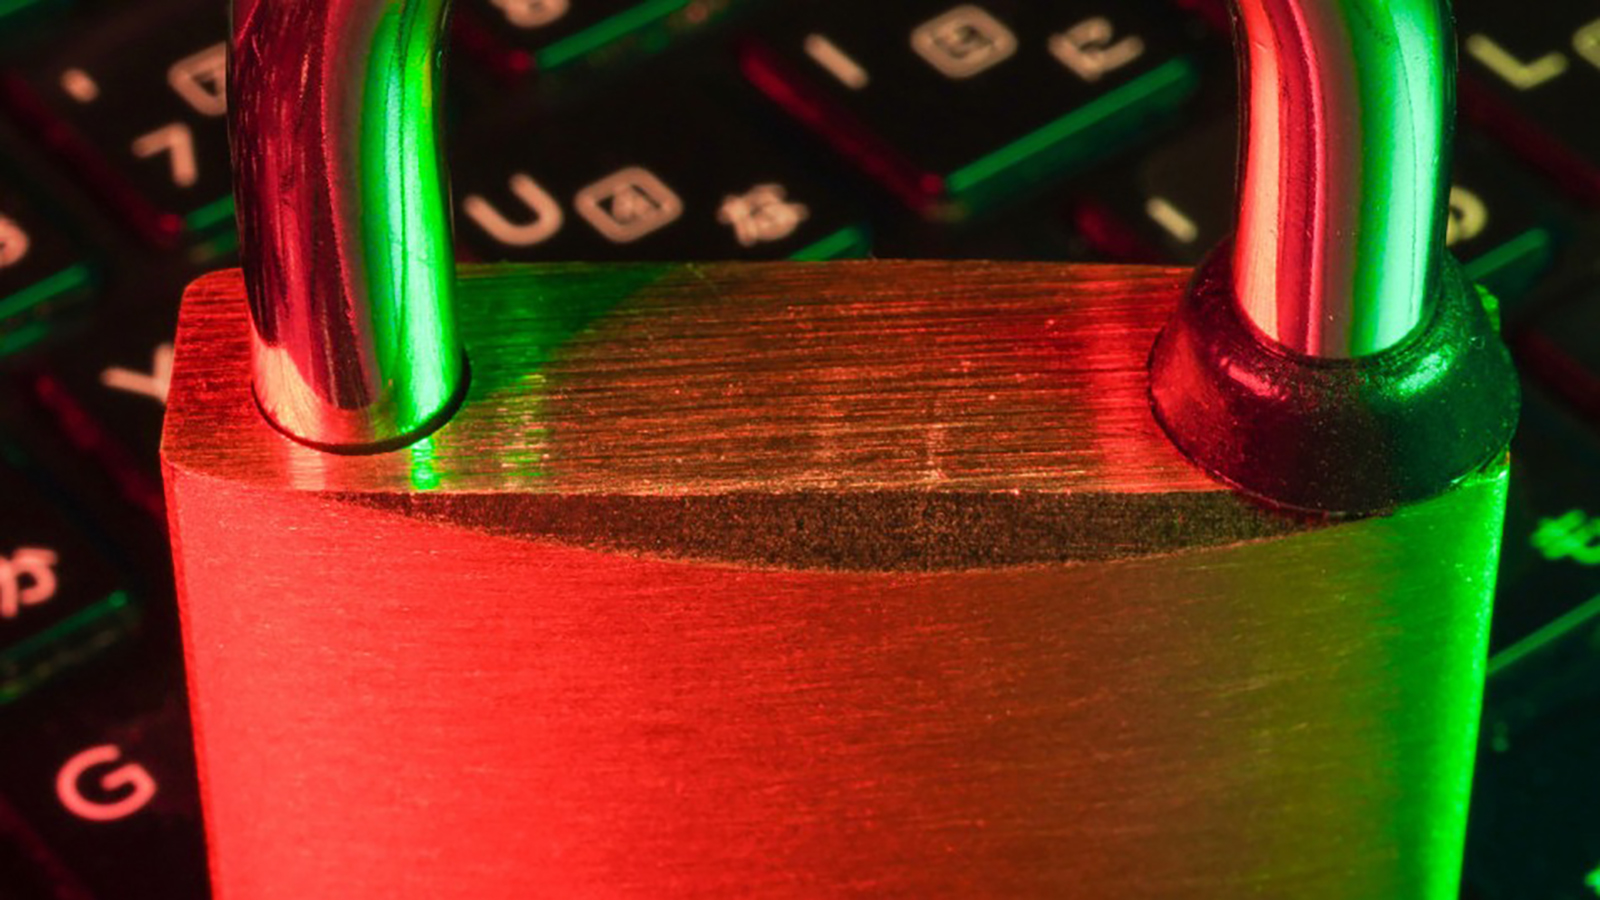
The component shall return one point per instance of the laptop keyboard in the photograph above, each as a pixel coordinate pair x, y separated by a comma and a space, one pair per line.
722, 129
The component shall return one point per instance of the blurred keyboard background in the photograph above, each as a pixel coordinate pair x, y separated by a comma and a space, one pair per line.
722, 129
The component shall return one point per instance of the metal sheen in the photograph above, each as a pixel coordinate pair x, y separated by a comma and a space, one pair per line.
1345, 184
343, 216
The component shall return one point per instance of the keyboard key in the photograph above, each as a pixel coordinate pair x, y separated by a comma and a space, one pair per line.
107, 781
955, 107
1531, 75
18, 12
1550, 559
106, 388
551, 35
1179, 202
43, 279
61, 602
1561, 346
134, 100
28, 869
1535, 831
647, 175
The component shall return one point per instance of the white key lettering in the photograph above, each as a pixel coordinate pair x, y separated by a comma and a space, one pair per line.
628, 205
152, 384
762, 214
1524, 76
532, 13
202, 80
1587, 43
1469, 216
547, 217
14, 243
27, 578
1088, 48
177, 141
127, 775
964, 42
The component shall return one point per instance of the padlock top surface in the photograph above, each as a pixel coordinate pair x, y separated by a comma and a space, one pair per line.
789, 413
642, 379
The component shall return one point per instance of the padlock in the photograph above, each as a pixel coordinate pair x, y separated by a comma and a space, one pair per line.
794, 580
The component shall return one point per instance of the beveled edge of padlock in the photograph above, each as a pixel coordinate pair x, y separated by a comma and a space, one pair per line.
1344, 437
765, 414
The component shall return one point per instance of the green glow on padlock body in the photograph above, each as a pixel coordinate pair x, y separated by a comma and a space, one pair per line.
1344, 195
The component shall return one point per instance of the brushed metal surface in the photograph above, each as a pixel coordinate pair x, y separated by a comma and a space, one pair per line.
798, 581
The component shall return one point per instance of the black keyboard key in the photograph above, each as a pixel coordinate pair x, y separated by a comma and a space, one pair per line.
1534, 831
953, 107
1561, 346
1532, 75
44, 281
105, 777
28, 870
62, 603
1550, 559
134, 97
552, 35
18, 12
647, 175
1179, 202
106, 388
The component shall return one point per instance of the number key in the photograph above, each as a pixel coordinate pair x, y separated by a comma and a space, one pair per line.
136, 99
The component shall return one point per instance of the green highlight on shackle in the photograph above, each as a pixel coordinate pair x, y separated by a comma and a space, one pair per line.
343, 217
1345, 190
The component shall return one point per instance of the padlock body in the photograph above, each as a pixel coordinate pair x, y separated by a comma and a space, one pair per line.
798, 581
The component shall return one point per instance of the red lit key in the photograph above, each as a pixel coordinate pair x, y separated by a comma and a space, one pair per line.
133, 97
953, 107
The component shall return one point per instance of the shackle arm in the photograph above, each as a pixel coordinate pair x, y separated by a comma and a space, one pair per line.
1348, 109
343, 219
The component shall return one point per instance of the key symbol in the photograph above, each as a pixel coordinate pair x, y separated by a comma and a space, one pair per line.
544, 224
629, 205
178, 141
1088, 48
964, 42
762, 214
27, 578
532, 13
202, 80
14, 243
1469, 216
142, 787
1574, 536
1524, 76
152, 384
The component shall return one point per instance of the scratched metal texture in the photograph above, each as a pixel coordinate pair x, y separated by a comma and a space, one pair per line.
799, 581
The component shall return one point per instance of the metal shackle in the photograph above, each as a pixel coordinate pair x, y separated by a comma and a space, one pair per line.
335, 114
335, 121
1332, 356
